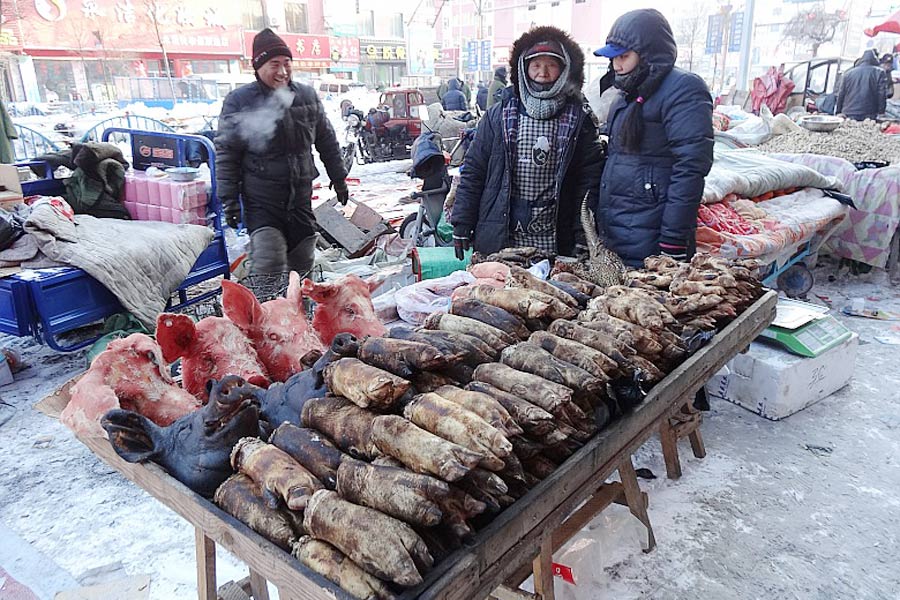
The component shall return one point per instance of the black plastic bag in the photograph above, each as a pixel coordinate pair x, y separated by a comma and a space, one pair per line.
10, 229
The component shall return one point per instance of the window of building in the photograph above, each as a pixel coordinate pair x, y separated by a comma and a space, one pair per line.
396, 25
295, 19
365, 23
252, 16
554, 3
580, 1
532, 4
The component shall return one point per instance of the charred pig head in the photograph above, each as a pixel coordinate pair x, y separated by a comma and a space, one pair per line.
196, 448
284, 401
279, 329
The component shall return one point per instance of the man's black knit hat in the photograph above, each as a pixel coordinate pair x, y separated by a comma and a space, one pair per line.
267, 45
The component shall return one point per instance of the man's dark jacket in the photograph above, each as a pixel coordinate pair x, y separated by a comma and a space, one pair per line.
264, 155
453, 99
652, 195
484, 194
862, 91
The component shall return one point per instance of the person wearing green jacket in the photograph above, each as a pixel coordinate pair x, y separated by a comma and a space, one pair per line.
497, 86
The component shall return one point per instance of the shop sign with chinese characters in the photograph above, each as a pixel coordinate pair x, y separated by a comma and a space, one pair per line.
382, 52
199, 27
310, 51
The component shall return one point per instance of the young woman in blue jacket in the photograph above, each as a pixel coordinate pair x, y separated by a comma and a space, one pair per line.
660, 143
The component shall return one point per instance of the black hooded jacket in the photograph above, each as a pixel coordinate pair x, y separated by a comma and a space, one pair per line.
483, 197
651, 195
264, 155
862, 91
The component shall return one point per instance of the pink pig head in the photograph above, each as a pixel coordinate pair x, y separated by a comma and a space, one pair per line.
278, 328
344, 306
129, 374
210, 349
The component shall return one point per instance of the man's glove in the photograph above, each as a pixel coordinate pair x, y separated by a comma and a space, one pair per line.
675, 251
340, 188
232, 214
462, 240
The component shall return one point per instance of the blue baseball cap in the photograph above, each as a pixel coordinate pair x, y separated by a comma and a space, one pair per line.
610, 51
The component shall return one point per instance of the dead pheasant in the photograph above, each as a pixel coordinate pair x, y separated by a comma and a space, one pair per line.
604, 267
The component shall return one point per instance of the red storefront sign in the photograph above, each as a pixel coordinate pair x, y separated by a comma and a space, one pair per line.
201, 27
347, 49
310, 51
448, 58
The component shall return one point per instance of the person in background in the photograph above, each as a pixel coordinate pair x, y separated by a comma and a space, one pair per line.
887, 63
535, 155
453, 98
461, 85
497, 86
481, 97
660, 143
264, 160
862, 89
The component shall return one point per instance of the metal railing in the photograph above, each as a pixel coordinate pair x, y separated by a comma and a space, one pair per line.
138, 122
31, 143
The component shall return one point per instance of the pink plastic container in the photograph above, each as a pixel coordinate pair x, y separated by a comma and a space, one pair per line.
164, 188
153, 186
130, 188
131, 207
165, 214
142, 189
142, 211
153, 212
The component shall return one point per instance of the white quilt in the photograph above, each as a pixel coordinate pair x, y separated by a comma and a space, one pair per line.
141, 262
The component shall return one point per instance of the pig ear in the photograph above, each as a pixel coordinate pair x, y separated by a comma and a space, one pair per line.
240, 305
175, 334
319, 292
294, 291
132, 436
374, 284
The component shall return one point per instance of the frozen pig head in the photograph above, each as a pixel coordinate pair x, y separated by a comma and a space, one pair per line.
279, 330
210, 349
344, 306
132, 375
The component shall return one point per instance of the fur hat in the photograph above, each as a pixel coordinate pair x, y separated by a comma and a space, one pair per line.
266, 46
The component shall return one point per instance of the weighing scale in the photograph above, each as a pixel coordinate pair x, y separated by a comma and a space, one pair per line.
804, 329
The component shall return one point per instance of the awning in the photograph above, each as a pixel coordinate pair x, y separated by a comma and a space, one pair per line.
892, 25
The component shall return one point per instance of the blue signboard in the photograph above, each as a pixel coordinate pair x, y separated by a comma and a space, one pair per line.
736, 34
485, 62
472, 56
714, 34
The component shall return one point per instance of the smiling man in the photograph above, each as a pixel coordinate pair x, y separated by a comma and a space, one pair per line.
264, 160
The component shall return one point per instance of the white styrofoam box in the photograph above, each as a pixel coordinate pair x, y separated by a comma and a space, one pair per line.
775, 384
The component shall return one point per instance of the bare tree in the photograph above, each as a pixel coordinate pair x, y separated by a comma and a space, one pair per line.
814, 27
157, 13
691, 33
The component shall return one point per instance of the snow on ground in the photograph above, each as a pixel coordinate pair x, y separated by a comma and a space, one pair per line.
801, 508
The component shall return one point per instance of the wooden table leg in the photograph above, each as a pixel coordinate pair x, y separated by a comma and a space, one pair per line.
670, 449
206, 566
637, 500
258, 586
543, 570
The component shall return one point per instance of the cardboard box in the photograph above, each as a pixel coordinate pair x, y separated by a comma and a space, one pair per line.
775, 384
10, 186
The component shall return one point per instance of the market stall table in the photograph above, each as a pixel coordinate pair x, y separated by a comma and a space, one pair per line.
525, 534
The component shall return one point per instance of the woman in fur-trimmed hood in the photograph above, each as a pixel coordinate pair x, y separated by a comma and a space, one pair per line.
536, 154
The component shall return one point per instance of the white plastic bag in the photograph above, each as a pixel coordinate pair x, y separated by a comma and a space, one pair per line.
579, 567
417, 301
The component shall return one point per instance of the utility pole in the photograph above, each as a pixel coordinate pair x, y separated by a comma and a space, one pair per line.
746, 45
726, 27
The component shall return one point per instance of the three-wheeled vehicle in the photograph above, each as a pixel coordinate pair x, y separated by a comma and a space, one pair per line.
387, 131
